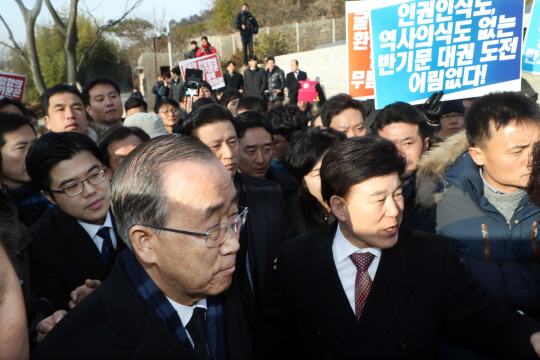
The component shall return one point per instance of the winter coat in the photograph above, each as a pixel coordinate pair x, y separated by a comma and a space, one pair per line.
254, 82
275, 79
193, 53
245, 18
502, 256
414, 216
174, 91
234, 81
207, 49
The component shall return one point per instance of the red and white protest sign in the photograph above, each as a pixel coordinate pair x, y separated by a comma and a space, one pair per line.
209, 65
12, 86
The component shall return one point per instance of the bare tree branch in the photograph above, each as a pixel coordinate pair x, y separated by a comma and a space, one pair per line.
15, 46
56, 18
103, 28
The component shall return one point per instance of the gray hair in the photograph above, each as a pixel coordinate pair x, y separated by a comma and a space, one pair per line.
137, 193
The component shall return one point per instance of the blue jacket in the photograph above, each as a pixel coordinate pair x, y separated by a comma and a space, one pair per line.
502, 256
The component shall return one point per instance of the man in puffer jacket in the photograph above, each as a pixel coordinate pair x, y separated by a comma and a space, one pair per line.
475, 179
275, 83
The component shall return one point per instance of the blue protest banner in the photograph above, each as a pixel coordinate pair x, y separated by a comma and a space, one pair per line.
531, 49
465, 48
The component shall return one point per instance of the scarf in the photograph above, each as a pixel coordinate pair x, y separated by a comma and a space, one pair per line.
157, 300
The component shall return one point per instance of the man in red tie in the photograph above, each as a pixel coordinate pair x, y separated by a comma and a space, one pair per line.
365, 289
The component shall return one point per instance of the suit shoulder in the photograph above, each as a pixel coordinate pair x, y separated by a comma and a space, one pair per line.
304, 244
422, 241
45, 226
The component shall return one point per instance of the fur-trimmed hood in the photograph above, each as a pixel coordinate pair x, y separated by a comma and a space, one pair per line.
432, 167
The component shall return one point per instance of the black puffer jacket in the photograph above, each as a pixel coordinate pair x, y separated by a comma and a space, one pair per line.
245, 18
275, 80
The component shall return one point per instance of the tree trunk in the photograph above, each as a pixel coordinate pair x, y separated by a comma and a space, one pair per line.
70, 45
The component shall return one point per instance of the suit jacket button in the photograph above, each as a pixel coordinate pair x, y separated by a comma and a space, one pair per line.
402, 345
318, 334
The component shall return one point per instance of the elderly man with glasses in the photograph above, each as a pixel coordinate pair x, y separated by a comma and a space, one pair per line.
77, 239
173, 293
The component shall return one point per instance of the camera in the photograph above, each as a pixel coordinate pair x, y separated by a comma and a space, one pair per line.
193, 81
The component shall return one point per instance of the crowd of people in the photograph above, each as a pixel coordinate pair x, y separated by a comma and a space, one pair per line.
240, 224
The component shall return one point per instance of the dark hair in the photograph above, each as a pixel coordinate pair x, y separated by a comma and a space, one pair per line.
97, 81
231, 62
287, 119
204, 38
400, 112
53, 148
252, 103
206, 85
499, 108
252, 57
168, 101
167, 75
203, 101
9, 227
336, 105
230, 95
193, 42
57, 89
8, 123
250, 120
7, 101
208, 114
118, 133
134, 102
270, 58
219, 91
356, 160
176, 70
245, 5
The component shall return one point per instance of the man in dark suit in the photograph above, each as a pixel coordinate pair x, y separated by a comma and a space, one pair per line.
355, 291
268, 225
76, 240
292, 81
171, 294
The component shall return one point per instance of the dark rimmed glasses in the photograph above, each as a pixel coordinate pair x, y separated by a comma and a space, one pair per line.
77, 187
217, 234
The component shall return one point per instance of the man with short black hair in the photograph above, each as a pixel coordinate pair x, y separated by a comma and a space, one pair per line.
475, 180
275, 83
292, 82
256, 150
365, 287
230, 100
135, 106
76, 240
254, 79
63, 110
267, 223
233, 80
16, 137
103, 103
406, 127
248, 26
252, 103
345, 114
194, 49
175, 89
117, 143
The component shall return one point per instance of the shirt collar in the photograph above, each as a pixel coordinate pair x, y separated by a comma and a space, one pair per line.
92, 229
186, 312
489, 186
344, 248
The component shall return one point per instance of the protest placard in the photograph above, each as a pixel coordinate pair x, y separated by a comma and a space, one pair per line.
12, 86
360, 62
211, 69
466, 48
531, 49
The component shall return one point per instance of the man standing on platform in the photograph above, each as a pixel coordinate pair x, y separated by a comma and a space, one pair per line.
247, 24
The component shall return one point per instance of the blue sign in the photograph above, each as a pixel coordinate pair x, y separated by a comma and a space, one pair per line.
531, 49
462, 47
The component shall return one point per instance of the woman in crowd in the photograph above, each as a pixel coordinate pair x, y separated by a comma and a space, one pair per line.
169, 111
305, 153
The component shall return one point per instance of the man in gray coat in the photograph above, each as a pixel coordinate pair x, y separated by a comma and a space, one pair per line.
275, 83
254, 79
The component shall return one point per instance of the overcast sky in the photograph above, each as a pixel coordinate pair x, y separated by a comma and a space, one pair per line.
103, 10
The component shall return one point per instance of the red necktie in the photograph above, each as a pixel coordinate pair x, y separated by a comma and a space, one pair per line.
363, 281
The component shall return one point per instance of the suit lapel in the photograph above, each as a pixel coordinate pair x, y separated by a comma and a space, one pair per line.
389, 291
326, 290
79, 243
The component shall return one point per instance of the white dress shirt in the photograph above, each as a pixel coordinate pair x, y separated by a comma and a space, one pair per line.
92, 230
186, 312
341, 250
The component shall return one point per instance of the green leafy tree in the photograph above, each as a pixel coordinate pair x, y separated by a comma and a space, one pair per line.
272, 44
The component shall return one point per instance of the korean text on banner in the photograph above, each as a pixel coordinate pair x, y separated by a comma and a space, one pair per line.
12, 86
360, 62
209, 65
531, 49
466, 48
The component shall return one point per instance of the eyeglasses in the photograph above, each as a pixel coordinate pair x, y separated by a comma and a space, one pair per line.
217, 234
77, 187
172, 111
454, 116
